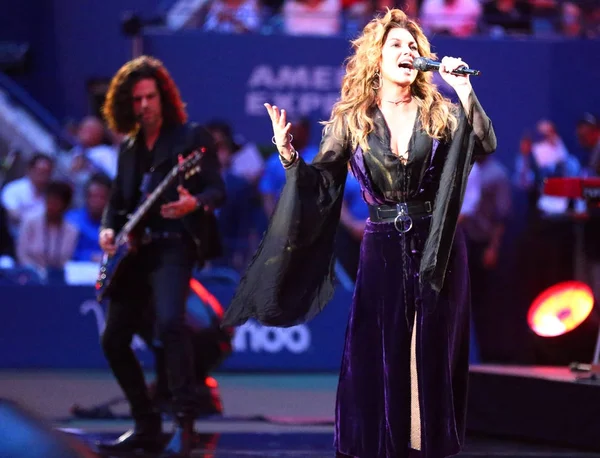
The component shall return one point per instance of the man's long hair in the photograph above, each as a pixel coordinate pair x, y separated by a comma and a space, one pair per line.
118, 107
360, 91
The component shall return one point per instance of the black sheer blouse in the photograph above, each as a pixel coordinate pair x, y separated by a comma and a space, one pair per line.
393, 179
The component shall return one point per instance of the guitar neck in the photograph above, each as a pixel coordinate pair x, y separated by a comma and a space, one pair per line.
143, 209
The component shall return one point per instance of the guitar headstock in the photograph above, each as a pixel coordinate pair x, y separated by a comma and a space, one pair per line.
190, 165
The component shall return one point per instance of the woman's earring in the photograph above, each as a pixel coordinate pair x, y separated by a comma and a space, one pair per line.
376, 80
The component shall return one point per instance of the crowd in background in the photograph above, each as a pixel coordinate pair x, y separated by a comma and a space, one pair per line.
51, 215
459, 18
71, 190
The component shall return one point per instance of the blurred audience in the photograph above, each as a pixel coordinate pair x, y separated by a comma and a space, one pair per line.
588, 135
96, 152
87, 218
543, 158
237, 217
46, 240
231, 16
26, 196
312, 17
457, 18
246, 161
507, 17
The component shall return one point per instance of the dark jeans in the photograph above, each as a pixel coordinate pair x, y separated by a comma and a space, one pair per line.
151, 302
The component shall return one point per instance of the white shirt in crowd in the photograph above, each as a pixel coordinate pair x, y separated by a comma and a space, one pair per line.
19, 196
303, 19
459, 18
248, 163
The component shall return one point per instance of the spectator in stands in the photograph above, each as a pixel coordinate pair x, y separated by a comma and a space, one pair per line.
92, 155
46, 241
25, 196
232, 16
312, 17
545, 17
457, 18
87, 218
506, 17
588, 135
546, 157
273, 180
246, 160
357, 13
237, 216
97, 152
571, 21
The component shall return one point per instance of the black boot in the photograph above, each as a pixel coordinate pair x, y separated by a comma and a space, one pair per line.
181, 443
145, 436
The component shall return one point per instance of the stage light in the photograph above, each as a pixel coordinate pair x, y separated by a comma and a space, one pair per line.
560, 309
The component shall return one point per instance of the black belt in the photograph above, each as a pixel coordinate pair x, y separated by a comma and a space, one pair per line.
400, 214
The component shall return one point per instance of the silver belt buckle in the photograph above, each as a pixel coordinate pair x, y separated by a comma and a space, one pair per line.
403, 223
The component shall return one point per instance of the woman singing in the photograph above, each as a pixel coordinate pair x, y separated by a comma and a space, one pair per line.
403, 379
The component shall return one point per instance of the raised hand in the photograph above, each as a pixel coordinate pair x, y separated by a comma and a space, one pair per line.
281, 131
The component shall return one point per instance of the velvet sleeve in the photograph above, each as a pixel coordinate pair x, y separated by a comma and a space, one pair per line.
291, 276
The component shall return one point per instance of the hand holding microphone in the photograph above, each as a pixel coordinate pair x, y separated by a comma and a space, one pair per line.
423, 64
453, 71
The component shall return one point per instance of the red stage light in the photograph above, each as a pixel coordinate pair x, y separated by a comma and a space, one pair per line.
560, 308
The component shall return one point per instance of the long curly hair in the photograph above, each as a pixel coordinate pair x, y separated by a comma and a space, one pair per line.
360, 86
118, 106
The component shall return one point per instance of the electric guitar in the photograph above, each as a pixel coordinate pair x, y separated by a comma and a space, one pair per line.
113, 266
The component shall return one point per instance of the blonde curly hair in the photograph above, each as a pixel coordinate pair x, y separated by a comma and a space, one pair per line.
359, 92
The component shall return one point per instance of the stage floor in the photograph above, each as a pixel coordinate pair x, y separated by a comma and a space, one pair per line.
313, 445
557, 374
265, 415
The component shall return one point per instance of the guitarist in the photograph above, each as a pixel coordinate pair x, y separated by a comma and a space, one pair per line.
143, 102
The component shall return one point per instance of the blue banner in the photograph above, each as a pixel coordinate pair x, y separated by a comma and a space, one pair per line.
59, 327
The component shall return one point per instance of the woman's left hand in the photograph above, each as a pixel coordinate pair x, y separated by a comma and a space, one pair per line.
448, 65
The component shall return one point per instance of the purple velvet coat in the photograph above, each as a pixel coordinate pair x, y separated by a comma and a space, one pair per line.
420, 278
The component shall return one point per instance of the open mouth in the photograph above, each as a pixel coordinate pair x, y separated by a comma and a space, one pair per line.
406, 64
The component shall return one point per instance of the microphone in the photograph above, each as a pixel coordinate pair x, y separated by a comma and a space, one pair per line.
427, 65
